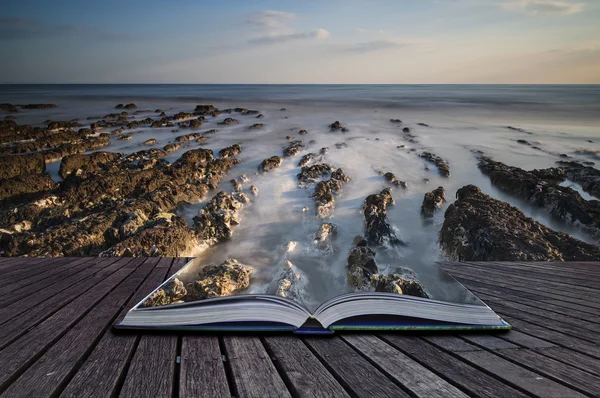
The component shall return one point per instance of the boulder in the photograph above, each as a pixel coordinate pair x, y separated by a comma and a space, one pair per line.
361, 266
440, 163
172, 147
256, 126
87, 163
150, 141
478, 227
314, 173
130, 106
432, 201
219, 280
378, 231
230, 151
14, 165
8, 108
306, 159
293, 148
24, 187
215, 222
394, 283
227, 122
325, 191
204, 110
270, 163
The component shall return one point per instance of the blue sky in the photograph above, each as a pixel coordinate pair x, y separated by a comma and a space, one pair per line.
309, 41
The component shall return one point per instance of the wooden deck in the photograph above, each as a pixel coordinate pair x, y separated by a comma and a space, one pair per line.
56, 340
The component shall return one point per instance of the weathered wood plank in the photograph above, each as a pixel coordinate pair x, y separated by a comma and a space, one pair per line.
307, 377
578, 307
53, 369
450, 343
202, 371
30, 315
156, 378
17, 356
33, 271
572, 377
525, 340
102, 371
8, 263
19, 290
410, 374
549, 270
253, 372
151, 370
572, 358
516, 375
489, 342
353, 371
10, 310
555, 337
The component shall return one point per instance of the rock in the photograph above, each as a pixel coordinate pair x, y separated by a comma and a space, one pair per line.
306, 159
168, 294
38, 106
325, 191
335, 126
87, 163
260, 116
119, 106
341, 145
302, 132
256, 126
406, 130
124, 137
563, 155
204, 110
394, 283
289, 137
8, 108
323, 151
215, 221
230, 151
254, 190
395, 120
524, 142
478, 227
130, 106
24, 187
183, 116
423, 125
587, 177
150, 141
171, 147
270, 163
9, 117
540, 188
14, 165
219, 280
61, 125
228, 121
361, 266
293, 148
237, 186
433, 200
378, 231
195, 123
520, 130
323, 237
189, 137
283, 109
440, 163
211, 131
290, 283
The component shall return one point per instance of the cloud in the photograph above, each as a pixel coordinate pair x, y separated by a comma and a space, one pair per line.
25, 28
270, 21
315, 34
544, 7
376, 45
274, 27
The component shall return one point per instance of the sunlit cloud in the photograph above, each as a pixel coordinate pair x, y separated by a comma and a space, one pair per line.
315, 34
376, 45
276, 27
544, 7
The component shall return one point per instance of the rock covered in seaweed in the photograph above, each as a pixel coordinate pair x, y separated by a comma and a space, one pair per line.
361, 266
478, 227
325, 191
219, 280
270, 163
432, 201
377, 229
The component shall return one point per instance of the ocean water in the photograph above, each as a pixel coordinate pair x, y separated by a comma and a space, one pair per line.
461, 119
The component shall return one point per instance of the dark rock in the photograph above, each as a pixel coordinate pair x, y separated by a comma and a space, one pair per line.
24, 187
520, 130
406, 130
228, 121
478, 227
335, 126
377, 229
124, 137
563, 155
230, 151
323, 151
188, 137
524, 142
195, 123
325, 191
215, 221
293, 148
306, 159
441, 164
211, 131
204, 110
283, 109
302, 132
341, 145
270, 163
12, 166
87, 163
170, 293
8, 108
119, 106
361, 266
310, 174
219, 280
171, 147
130, 106
183, 116
259, 116
289, 137
62, 125
38, 106
394, 283
587, 177
423, 124
395, 120
256, 126
433, 200
150, 141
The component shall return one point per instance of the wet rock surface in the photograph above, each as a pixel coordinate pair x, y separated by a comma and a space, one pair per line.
219, 280
216, 220
390, 177
588, 177
432, 201
378, 231
84, 164
290, 283
293, 148
440, 163
478, 227
12, 166
270, 163
314, 173
325, 191
540, 187
230, 151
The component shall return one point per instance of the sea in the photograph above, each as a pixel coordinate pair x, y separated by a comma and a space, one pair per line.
460, 119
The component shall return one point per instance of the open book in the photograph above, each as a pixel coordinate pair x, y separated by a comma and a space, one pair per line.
363, 310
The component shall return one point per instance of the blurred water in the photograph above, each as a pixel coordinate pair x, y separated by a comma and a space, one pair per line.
560, 119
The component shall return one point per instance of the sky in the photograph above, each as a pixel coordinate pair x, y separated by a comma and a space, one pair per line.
301, 42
